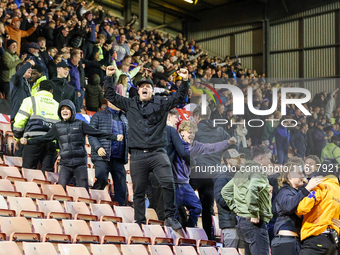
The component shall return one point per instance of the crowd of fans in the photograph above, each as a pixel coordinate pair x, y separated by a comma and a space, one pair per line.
62, 58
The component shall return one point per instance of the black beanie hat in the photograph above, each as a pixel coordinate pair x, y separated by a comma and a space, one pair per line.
9, 42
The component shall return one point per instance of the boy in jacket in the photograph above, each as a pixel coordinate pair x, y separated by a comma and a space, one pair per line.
70, 134
185, 194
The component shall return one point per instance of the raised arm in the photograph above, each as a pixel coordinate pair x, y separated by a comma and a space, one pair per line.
122, 103
91, 131
50, 136
178, 97
206, 148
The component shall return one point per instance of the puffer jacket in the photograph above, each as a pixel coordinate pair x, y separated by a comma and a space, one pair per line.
102, 120
70, 135
17, 34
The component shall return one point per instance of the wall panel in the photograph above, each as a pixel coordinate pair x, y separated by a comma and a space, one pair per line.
319, 30
284, 36
317, 86
284, 65
319, 63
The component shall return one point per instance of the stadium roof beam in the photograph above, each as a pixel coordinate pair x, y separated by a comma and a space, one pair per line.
174, 10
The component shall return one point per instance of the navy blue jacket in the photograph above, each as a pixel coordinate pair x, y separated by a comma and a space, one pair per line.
319, 140
286, 203
226, 217
39, 61
74, 75
182, 169
102, 120
175, 145
298, 142
20, 89
281, 137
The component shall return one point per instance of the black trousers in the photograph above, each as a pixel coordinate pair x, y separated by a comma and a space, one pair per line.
44, 153
141, 164
205, 189
118, 173
79, 172
318, 245
283, 245
155, 195
254, 236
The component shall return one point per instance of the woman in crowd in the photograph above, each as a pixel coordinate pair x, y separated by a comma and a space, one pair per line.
121, 86
288, 224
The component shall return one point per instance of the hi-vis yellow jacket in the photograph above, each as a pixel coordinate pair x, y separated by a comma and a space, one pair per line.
36, 115
320, 207
36, 86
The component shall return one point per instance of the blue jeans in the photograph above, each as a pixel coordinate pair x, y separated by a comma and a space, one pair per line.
186, 196
254, 236
117, 170
282, 156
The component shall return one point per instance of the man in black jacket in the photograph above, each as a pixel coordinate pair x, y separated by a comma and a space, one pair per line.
319, 138
207, 133
19, 86
110, 156
147, 116
226, 217
70, 134
298, 141
48, 32
62, 90
310, 145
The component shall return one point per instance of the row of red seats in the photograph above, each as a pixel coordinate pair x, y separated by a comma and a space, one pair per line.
107, 249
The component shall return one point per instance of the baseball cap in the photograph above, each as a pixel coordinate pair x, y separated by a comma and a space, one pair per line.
63, 64
233, 153
144, 81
